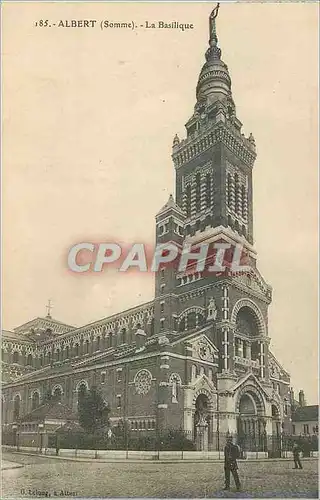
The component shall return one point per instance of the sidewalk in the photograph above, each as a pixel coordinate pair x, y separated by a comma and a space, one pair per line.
154, 460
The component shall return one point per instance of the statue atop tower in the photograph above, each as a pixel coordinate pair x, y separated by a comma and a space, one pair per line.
214, 82
212, 24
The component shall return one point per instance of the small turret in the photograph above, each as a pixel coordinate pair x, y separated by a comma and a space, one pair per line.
176, 140
140, 336
252, 141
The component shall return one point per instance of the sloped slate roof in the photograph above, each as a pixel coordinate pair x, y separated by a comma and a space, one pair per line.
50, 410
306, 413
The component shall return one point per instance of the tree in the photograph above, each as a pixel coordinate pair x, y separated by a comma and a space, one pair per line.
93, 412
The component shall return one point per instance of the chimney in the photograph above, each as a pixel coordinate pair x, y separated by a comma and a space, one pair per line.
291, 396
302, 401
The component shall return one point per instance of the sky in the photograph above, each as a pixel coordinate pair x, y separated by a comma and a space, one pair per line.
89, 117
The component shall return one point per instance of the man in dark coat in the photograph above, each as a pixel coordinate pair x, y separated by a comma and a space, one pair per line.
296, 456
231, 453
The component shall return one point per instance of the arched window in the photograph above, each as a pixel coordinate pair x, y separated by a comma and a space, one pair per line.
192, 320
208, 191
285, 408
16, 407
15, 357
152, 327
244, 202
98, 344
67, 352
198, 192
76, 350
58, 355
182, 325
188, 200
201, 319
35, 400
247, 322
193, 372
123, 336
236, 193
29, 360
210, 374
82, 391
57, 394
229, 190
87, 347
109, 339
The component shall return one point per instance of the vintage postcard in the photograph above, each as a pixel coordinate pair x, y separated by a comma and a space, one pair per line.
160, 249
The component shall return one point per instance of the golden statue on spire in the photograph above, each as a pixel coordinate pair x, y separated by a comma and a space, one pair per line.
215, 11
212, 22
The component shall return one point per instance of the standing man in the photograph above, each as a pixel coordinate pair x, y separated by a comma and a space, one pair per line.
296, 456
231, 453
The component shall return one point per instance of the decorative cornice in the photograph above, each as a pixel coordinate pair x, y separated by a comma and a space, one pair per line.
193, 146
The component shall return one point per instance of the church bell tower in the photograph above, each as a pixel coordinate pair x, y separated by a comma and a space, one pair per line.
214, 166
214, 162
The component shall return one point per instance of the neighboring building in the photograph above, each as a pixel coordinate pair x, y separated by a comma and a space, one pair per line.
305, 419
196, 357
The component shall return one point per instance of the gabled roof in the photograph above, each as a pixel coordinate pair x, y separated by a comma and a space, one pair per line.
250, 376
274, 360
50, 410
306, 413
192, 334
46, 322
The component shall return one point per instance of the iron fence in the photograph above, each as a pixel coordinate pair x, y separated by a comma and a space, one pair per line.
120, 438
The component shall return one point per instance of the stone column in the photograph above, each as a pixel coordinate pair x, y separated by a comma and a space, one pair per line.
248, 350
225, 303
261, 359
240, 348
225, 344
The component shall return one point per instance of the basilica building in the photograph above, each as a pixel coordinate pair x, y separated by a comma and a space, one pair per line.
196, 357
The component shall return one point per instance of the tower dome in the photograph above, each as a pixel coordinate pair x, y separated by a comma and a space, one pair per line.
214, 81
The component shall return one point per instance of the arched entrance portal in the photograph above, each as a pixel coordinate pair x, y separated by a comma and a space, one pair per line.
251, 424
202, 424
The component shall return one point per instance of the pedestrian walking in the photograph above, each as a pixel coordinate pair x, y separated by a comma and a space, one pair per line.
57, 445
231, 454
296, 450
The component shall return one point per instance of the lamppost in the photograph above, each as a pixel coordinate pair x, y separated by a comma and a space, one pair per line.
15, 429
40, 429
218, 421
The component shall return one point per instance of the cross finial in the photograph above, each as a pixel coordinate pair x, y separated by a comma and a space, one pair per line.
49, 307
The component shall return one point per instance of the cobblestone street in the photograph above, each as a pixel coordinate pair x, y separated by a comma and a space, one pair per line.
50, 476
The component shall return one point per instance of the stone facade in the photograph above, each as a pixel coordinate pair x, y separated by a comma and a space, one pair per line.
196, 357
